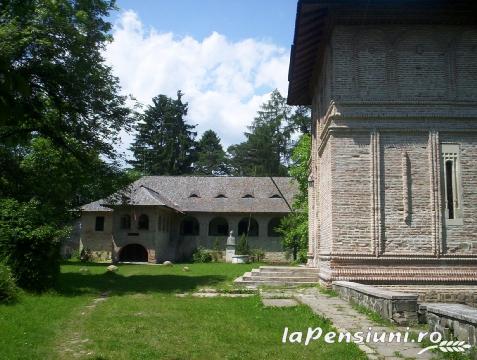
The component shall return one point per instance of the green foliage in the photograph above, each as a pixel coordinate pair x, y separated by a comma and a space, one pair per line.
216, 253
266, 151
8, 288
55, 83
68, 182
242, 247
201, 255
86, 255
372, 315
257, 255
211, 158
28, 245
294, 226
60, 116
164, 144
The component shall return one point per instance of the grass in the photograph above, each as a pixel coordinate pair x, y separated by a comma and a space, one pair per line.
373, 315
142, 318
327, 291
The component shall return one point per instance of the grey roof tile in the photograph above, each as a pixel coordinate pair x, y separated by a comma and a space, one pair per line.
175, 192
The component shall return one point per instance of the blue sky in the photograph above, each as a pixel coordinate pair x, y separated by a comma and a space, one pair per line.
226, 56
237, 19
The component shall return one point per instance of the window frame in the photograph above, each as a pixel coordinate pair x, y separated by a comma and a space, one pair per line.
450, 153
96, 223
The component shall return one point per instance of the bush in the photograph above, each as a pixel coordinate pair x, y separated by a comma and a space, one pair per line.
29, 245
257, 254
8, 288
75, 255
216, 254
242, 247
86, 255
201, 256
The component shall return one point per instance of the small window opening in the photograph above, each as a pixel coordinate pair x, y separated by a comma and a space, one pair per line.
247, 196
143, 222
99, 224
450, 188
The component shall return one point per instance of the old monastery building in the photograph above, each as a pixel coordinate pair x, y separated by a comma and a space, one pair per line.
393, 178
162, 218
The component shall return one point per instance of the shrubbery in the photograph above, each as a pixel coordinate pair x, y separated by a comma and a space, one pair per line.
8, 288
201, 256
86, 255
242, 247
257, 255
29, 245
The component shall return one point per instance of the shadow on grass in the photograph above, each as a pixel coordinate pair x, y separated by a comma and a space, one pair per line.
72, 284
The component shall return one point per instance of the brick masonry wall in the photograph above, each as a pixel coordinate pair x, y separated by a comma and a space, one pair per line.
386, 99
351, 194
404, 62
399, 228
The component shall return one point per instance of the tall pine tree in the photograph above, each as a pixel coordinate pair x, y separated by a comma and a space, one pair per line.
266, 151
165, 143
211, 158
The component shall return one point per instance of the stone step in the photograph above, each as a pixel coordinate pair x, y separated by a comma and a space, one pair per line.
241, 281
285, 273
288, 268
279, 276
281, 273
282, 278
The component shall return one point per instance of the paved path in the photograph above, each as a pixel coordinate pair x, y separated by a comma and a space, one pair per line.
347, 319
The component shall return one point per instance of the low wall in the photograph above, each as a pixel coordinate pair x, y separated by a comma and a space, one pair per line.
398, 307
453, 321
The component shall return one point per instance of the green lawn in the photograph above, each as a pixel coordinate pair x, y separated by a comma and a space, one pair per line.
142, 318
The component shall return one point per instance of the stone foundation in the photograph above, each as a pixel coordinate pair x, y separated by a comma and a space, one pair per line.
398, 307
453, 321
460, 294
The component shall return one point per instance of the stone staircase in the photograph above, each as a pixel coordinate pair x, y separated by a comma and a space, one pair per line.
279, 276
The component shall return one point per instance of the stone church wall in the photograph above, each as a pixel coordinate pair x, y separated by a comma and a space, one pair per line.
387, 98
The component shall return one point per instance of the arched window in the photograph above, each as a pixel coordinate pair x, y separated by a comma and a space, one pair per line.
189, 226
218, 227
193, 195
272, 227
248, 226
220, 196
275, 196
247, 196
126, 222
143, 222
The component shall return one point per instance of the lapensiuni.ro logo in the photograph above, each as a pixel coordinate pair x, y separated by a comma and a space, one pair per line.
369, 336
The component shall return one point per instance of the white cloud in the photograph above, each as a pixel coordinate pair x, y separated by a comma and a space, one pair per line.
223, 81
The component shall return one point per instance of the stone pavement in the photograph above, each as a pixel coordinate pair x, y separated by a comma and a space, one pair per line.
347, 319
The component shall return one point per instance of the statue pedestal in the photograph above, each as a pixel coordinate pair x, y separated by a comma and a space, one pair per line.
230, 248
229, 253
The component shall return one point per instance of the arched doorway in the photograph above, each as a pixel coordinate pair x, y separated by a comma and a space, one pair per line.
273, 224
248, 227
133, 253
218, 227
189, 226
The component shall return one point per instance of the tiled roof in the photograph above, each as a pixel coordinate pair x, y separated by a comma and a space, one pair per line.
208, 194
95, 206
